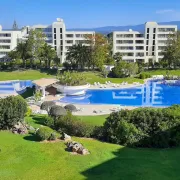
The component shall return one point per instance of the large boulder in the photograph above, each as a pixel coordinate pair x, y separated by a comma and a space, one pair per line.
70, 107
76, 147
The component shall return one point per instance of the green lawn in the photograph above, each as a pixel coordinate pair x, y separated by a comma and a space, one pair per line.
163, 72
23, 75
96, 77
35, 74
24, 159
37, 120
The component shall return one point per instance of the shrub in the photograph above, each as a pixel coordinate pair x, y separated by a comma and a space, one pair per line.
29, 112
53, 136
49, 121
12, 111
144, 127
56, 111
123, 69
46, 105
44, 133
73, 126
144, 75
71, 107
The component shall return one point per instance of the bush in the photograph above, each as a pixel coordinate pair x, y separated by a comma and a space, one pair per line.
29, 112
123, 69
46, 105
144, 127
49, 121
12, 111
144, 75
44, 133
71, 107
56, 111
73, 126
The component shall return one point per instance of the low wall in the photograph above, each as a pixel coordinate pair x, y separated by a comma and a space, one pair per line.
72, 90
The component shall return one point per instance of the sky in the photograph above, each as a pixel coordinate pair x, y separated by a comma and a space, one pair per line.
88, 13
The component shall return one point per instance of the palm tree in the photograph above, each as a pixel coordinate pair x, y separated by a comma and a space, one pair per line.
22, 51
48, 53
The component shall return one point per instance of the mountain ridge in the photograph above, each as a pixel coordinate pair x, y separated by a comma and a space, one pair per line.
108, 29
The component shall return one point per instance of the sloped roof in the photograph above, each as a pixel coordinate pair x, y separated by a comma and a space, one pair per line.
44, 82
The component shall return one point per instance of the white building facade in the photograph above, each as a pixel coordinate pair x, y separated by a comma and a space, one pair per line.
135, 46
8, 42
56, 35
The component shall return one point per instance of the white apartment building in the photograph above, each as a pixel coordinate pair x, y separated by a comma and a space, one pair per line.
133, 45
8, 42
136, 46
56, 35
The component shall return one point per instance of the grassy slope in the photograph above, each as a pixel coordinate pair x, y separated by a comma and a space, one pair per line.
37, 120
24, 159
163, 72
23, 75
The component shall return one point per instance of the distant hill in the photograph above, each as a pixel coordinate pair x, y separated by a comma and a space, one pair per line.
108, 29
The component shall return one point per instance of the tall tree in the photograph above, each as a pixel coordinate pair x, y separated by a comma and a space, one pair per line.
100, 49
78, 56
172, 51
117, 57
35, 42
48, 54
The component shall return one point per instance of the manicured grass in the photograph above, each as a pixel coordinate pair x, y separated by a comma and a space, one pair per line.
23, 75
22, 158
37, 120
35, 74
94, 120
163, 72
97, 77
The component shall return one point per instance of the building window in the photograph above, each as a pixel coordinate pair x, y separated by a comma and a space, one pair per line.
60, 30
5, 35
54, 30
4, 47
61, 48
147, 36
55, 47
5, 41
154, 31
152, 53
153, 42
153, 48
146, 48
54, 36
147, 42
154, 36
62, 42
61, 36
147, 30
69, 35
54, 42
146, 53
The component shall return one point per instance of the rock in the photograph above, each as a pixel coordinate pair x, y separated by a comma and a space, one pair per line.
31, 128
66, 137
76, 147
85, 152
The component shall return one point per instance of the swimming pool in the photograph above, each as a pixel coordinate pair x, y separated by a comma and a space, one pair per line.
151, 94
11, 87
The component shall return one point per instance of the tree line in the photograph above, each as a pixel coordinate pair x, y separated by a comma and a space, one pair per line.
34, 51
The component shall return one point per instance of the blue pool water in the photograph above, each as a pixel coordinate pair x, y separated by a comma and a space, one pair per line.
14, 86
153, 93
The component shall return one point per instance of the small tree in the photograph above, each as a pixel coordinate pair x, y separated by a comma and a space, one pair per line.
12, 111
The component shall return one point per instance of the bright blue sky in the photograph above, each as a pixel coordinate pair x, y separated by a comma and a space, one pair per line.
88, 13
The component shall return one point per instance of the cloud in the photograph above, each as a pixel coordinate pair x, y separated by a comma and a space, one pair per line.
164, 11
